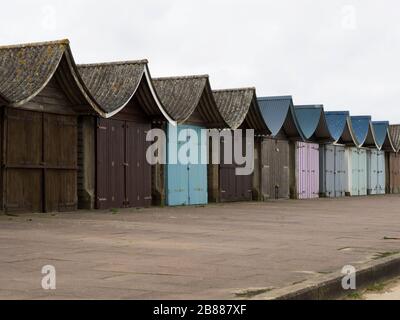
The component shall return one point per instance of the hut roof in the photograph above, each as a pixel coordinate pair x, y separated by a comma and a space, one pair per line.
181, 96
238, 106
114, 84
312, 123
337, 123
394, 131
382, 137
362, 129
278, 115
27, 68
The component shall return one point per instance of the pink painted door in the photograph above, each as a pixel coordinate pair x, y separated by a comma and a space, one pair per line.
307, 170
302, 170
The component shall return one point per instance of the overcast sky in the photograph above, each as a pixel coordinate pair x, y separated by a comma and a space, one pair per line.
343, 54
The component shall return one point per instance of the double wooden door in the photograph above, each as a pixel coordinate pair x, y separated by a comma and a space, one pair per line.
39, 161
123, 175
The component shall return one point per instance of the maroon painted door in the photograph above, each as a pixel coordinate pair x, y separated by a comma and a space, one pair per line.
138, 171
110, 178
123, 177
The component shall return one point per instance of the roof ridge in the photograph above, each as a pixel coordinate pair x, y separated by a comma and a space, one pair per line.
380, 122
361, 117
275, 98
309, 106
182, 77
36, 44
113, 63
235, 89
337, 112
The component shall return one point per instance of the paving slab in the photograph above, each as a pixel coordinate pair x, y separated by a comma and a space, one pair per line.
208, 252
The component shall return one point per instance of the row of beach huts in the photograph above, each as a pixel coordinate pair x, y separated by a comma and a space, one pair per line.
74, 137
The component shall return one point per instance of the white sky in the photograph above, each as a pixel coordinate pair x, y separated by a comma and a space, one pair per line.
343, 54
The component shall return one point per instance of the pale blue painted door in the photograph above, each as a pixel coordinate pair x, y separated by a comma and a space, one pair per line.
186, 183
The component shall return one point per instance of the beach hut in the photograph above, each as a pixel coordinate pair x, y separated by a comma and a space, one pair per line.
357, 156
42, 96
240, 110
273, 169
333, 168
114, 172
393, 161
190, 102
378, 158
314, 130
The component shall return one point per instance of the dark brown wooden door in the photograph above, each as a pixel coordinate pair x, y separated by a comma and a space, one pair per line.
60, 160
110, 182
123, 174
138, 170
234, 187
40, 162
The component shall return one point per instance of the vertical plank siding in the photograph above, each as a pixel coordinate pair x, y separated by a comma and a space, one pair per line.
357, 164
40, 161
274, 169
123, 176
186, 184
376, 172
333, 171
234, 187
394, 172
306, 175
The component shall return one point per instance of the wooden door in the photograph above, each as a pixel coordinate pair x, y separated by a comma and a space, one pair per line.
60, 161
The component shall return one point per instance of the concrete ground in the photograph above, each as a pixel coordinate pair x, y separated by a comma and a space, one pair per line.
221, 251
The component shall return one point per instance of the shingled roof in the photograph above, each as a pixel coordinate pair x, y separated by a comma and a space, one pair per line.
26, 69
114, 84
239, 106
181, 96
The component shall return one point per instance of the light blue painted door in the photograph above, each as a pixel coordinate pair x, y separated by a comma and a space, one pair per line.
177, 175
187, 181
372, 162
363, 172
198, 193
340, 171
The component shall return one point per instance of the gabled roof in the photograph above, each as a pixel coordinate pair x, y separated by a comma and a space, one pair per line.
26, 69
114, 84
312, 123
394, 131
278, 115
238, 106
363, 132
181, 96
337, 123
382, 137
